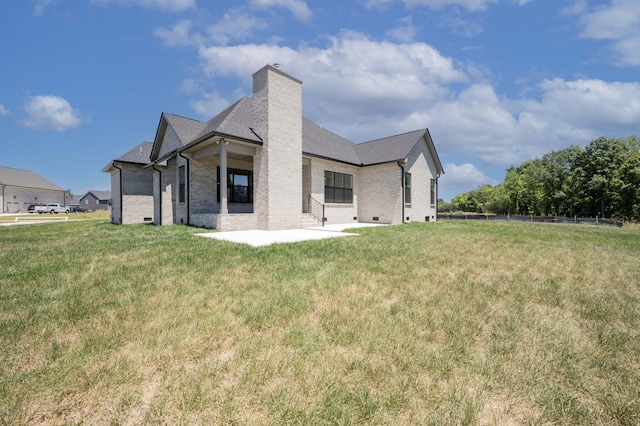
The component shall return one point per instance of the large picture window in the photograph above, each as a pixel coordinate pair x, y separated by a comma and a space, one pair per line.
338, 187
239, 186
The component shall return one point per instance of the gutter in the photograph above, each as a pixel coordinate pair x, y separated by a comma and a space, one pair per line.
188, 186
121, 198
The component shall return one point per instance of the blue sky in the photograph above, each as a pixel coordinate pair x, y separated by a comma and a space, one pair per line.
497, 82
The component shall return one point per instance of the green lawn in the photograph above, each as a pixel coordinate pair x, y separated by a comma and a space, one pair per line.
432, 323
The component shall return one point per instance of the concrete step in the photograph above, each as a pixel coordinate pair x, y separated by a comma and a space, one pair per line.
308, 221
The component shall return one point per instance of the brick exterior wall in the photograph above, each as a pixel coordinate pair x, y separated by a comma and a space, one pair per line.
116, 207
170, 142
334, 212
165, 192
202, 186
18, 199
137, 197
380, 194
278, 165
422, 169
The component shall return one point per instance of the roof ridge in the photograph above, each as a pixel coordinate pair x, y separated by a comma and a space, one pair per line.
181, 116
393, 136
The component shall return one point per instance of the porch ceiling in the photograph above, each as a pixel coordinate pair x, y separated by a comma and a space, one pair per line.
235, 149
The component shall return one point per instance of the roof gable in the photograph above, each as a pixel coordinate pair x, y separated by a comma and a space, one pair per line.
392, 148
98, 195
174, 132
236, 120
139, 154
25, 179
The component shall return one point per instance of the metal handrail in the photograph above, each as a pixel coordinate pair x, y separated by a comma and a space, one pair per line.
316, 209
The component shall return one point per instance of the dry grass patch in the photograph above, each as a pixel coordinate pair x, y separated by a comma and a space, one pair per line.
439, 323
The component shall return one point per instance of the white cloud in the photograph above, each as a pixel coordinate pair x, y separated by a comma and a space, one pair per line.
470, 5
462, 178
168, 5
41, 5
209, 104
364, 89
461, 26
405, 31
298, 8
350, 81
50, 113
376, 4
3, 110
235, 25
178, 35
617, 22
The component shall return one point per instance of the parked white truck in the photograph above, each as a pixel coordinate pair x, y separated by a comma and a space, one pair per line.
51, 208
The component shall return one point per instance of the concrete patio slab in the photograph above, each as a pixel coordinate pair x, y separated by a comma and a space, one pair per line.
260, 238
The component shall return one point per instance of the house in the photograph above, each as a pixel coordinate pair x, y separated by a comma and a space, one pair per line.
260, 164
21, 188
132, 186
96, 200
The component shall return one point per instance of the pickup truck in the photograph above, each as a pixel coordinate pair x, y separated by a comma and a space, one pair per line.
51, 208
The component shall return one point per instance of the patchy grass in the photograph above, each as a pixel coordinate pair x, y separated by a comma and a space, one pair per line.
438, 323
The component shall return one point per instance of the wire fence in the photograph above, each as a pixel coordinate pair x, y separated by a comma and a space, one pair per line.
530, 218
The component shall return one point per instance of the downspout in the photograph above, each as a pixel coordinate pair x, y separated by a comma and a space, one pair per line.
159, 194
402, 163
121, 198
187, 189
437, 190
2, 206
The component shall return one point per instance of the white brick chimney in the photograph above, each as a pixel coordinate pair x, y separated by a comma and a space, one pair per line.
277, 103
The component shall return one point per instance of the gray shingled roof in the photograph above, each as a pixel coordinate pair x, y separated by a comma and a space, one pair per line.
186, 128
139, 155
392, 148
323, 143
100, 195
238, 120
25, 179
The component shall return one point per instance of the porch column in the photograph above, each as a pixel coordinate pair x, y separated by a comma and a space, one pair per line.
223, 180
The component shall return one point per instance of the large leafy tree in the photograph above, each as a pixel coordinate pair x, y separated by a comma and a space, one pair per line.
602, 179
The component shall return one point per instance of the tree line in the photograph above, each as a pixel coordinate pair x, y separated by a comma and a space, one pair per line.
599, 180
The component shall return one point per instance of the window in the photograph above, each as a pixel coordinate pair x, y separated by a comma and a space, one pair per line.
407, 188
338, 187
182, 177
239, 186
433, 191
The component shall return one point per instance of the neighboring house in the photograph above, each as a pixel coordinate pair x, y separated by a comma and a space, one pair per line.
21, 188
132, 186
96, 200
279, 169
75, 200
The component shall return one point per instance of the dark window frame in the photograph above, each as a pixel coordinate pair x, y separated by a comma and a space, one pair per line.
433, 191
407, 188
236, 193
182, 184
338, 188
